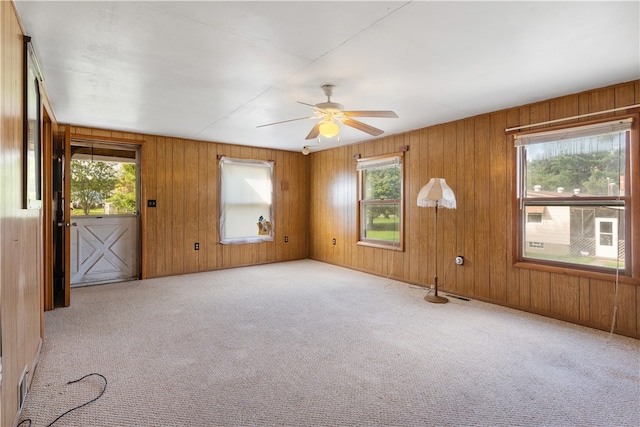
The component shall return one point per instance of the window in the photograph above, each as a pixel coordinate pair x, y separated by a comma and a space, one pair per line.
246, 207
573, 191
104, 179
534, 213
380, 213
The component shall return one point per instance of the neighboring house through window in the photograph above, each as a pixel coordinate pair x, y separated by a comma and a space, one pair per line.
246, 201
573, 194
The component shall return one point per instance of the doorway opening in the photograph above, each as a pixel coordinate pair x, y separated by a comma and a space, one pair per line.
104, 213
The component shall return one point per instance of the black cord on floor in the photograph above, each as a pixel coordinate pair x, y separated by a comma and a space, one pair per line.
77, 407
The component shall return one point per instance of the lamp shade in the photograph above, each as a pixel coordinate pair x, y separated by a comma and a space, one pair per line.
329, 129
437, 194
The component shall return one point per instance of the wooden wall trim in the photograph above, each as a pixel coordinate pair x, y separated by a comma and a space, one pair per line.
98, 139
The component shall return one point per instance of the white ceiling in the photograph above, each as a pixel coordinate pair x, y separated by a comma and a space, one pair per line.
214, 71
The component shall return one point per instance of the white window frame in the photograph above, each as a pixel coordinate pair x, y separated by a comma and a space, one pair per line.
234, 192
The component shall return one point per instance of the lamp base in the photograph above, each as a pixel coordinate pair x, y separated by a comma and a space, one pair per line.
436, 299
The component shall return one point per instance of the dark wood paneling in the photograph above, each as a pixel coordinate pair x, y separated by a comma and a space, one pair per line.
565, 296
483, 205
500, 198
477, 159
183, 177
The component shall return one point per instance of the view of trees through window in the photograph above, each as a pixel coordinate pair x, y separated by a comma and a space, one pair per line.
593, 166
380, 213
574, 199
103, 188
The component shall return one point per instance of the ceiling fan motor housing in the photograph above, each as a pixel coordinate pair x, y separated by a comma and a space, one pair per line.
331, 107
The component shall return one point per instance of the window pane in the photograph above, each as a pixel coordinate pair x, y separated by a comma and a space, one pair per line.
246, 201
381, 221
380, 204
103, 188
590, 166
382, 183
587, 235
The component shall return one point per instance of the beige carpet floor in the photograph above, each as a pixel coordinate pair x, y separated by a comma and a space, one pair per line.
304, 343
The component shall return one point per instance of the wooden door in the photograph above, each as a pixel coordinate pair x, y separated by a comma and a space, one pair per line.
607, 237
66, 177
104, 249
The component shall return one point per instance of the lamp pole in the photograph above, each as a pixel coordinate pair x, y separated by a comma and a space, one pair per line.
435, 297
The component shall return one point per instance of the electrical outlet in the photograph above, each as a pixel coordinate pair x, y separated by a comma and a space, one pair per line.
459, 260
286, 239
333, 241
151, 203
196, 246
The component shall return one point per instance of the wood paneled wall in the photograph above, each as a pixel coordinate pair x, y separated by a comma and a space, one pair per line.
20, 229
477, 159
183, 177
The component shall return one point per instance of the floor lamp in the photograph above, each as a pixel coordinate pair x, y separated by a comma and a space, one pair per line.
434, 195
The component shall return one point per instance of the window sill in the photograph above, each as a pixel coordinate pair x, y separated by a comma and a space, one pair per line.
397, 248
576, 272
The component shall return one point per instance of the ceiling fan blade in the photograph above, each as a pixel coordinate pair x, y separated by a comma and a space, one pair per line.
362, 126
304, 103
389, 114
314, 132
285, 121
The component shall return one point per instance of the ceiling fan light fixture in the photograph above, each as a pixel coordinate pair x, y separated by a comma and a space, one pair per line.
329, 129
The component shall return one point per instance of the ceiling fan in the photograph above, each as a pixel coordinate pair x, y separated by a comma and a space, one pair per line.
332, 113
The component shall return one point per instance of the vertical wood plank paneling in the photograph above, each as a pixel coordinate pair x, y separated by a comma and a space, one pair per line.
212, 223
348, 203
500, 202
399, 256
436, 170
190, 205
565, 296
163, 208
525, 289
351, 151
300, 206
469, 209
602, 302
425, 216
313, 227
567, 106
414, 233
584, 300
281, 196
459, 272
513, 275
540, 285
602, 100
177, 206
482, 207
149, 177
626, 308
206, 245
